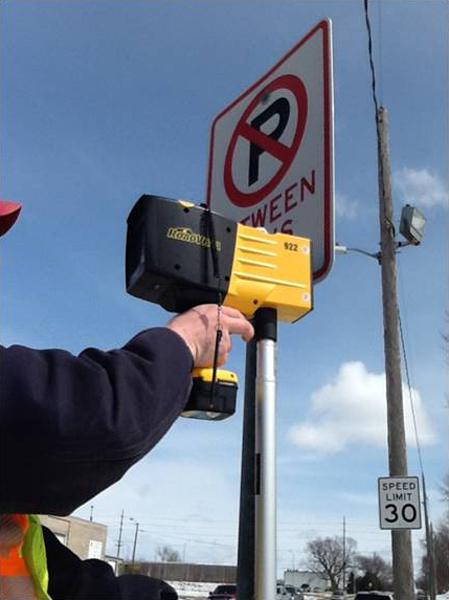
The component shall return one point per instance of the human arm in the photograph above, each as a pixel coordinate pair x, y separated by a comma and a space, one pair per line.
71, 578
71, 426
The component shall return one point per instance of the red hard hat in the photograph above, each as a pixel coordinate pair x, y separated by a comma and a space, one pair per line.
9, 211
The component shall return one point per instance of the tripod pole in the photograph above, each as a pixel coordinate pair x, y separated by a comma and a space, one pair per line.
265, 455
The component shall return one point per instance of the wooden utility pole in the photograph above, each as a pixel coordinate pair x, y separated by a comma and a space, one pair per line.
135, 543
119, 543
401, 542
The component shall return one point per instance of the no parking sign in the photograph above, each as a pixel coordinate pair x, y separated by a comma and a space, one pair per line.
271, 150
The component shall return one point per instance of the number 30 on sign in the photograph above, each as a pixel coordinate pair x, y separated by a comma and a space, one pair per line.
399, 503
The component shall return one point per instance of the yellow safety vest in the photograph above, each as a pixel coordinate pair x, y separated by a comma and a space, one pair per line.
23, 561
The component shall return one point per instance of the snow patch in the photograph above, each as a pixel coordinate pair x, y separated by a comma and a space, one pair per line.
190, 590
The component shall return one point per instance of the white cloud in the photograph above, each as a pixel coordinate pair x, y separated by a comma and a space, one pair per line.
345, 208
352, 410
421, 187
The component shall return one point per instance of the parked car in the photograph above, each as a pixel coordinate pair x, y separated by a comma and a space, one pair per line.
281, 593
373, 596
224, 592
284, 592
293, 593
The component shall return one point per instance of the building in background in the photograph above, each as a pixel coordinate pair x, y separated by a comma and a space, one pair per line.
87, 539
300, 578
117, 564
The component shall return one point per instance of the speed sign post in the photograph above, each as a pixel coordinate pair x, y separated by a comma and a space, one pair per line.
399, 503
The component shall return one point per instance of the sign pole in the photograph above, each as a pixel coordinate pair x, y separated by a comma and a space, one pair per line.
265, 455
256, 567
245, 559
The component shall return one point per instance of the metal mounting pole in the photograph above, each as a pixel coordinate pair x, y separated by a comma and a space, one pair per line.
265, 455
245, 559
256, 567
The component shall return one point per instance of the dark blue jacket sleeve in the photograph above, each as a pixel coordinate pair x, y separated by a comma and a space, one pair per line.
71, 426
71, 578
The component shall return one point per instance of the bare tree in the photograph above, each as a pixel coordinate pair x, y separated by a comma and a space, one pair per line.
441, 547
441, 542
445, 488
167, 554
328, 558
377, 567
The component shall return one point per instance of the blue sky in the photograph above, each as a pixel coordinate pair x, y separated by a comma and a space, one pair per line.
103, 101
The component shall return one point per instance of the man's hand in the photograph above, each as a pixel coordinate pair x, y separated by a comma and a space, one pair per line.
198, 328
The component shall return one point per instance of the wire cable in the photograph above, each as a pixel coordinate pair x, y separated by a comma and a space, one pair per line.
374, 96
379, 3
210, 233
412, 405
371, 59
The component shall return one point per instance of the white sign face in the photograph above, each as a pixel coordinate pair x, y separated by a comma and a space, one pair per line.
399, 504
271, 151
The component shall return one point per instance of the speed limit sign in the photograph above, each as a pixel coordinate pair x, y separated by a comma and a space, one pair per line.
399, 503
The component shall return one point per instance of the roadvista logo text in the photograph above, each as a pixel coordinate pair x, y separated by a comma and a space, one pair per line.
185, 234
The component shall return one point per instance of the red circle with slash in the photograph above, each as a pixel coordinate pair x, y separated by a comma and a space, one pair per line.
284, 153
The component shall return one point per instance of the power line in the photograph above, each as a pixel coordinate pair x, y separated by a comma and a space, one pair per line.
371, 61
376, 107
157, 525
412, 404
379, 4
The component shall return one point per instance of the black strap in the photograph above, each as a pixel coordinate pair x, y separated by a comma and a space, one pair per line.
210, 233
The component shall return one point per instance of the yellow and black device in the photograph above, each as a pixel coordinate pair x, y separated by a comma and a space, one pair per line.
180, 255
212, 399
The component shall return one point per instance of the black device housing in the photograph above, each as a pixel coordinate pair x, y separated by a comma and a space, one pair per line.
202, 404
178, 255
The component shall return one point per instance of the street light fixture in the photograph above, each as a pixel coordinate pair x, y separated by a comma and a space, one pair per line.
412, 224
411, 227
